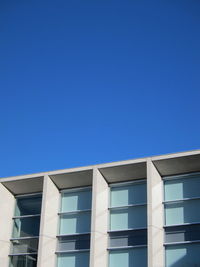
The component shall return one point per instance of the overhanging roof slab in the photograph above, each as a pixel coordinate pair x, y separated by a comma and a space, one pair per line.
178, 165
25, 186
124, 172
73, 179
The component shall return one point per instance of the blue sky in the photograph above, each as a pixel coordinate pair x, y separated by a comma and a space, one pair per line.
86, 82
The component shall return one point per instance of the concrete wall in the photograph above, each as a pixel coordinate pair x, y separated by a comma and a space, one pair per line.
7, 205
48, 224
155, 217
99, 225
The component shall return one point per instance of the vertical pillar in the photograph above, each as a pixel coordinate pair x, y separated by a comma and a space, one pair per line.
48, 224
99, 224
155, 217
7, 204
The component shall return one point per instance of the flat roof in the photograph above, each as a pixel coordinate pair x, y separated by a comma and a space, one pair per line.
169, 164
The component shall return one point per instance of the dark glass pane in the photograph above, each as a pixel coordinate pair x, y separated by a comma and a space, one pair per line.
74, 242
28, 205
128, 238
186, 255
24, 246
23, 261
182, 233
26, 227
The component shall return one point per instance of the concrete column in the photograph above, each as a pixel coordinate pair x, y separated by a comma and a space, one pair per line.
48, 224
155, 217
99, 225
7, 205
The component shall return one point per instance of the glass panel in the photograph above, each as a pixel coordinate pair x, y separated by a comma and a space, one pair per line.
74, 201
26, 227
75, 223
182, 212
74, 242
23, 261
182, 188
182, 233
24, 246
183, 256
126, 195
74, 260
128, 218
28, 205
128, 258
128, 238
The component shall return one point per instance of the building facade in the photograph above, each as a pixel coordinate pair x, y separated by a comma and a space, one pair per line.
134, 213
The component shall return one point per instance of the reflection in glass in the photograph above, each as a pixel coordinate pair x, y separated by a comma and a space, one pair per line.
26, 227
28, 205
24, 246
23, 261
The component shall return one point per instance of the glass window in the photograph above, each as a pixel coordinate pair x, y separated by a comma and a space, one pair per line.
128, 211
76, 242
28, 205
182, 233
75, 220
79, 200
75, 223
26, 227
182, 219
128, 238
74, 259
128, 195
23, 261
128, 258
128, 218
182, 212
182, 188
24, 246
186, 255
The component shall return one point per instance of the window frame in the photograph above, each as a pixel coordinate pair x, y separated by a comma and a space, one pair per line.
11, 255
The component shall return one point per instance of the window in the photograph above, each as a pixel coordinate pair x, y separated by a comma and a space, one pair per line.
26, 225
182, 220
74, 233
128, 225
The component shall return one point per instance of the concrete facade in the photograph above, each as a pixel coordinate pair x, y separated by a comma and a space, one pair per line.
99, 177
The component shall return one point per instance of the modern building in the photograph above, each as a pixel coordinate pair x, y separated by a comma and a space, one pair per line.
134, 213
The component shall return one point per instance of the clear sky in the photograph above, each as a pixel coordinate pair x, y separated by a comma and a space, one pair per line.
86, 82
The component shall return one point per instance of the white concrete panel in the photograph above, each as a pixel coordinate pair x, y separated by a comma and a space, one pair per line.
155, 217
48, 224
99, 226
7, 204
